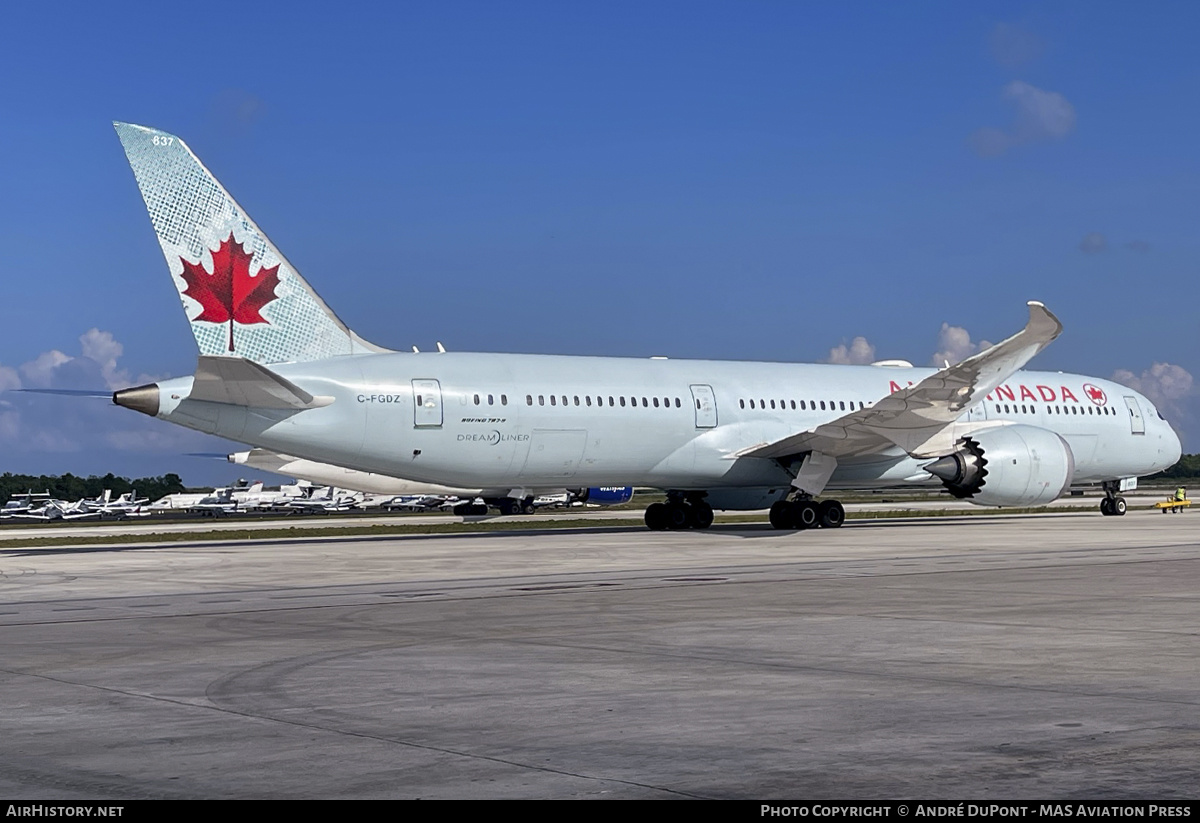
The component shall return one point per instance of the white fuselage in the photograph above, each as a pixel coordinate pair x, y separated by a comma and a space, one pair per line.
524, 421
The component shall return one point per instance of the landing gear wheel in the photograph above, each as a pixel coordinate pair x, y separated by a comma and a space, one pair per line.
781, 515
1118, 506
805, 514
702, 515
678, 516
1106, 506
656, 517
831, 514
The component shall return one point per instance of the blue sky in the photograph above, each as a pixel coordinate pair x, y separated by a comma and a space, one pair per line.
767, 181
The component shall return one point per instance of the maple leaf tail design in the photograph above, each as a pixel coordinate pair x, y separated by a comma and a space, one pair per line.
226, 270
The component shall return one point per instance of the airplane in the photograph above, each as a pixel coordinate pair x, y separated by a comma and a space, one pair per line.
425, 496
23, 503
125, 506
278, 370
56, 510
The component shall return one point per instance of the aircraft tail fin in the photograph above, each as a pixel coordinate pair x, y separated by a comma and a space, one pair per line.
240, 295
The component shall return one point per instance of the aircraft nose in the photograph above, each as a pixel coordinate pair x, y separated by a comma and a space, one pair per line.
1172, 448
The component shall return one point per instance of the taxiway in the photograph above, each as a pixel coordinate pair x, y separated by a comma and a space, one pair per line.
1048, 656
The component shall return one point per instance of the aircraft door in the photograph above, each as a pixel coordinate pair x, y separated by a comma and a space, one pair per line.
427, 403
706, 406
977, 412
1135, 416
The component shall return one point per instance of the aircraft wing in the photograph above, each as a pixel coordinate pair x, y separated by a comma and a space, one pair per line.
915, 418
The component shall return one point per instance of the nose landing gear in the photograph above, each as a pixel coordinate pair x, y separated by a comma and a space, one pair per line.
1113, 505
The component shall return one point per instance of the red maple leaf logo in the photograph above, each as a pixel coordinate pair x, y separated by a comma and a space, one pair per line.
1095, 394
230, 294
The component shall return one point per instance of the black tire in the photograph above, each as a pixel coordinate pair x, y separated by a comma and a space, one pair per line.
1106, 506
781, 515
702, 515
678, 516
656, 517
509, 507
806, 514
1119, 506
831, 514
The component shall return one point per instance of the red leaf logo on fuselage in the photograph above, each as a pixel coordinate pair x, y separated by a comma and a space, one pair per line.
230, 294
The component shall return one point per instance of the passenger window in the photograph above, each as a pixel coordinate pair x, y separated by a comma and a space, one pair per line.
751, 404
793, 405
678, 405
419, 403
622, 400
803, 406
564, 399
504, 400
491, 402
645, 403
611, 403
842, 403
742, 403
529, 400
772, 404
656, 402
576, 400
822, 405
553, 400
588, 398
541, 400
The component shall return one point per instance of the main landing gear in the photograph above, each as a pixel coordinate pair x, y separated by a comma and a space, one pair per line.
806, 513
1113, 505
679, 513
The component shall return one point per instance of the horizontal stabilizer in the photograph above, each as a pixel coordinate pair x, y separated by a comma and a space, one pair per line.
241, 382
70, 392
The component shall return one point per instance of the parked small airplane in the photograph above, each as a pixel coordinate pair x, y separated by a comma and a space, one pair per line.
426, 496
279, 370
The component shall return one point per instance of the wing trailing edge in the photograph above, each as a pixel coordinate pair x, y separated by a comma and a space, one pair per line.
920, 419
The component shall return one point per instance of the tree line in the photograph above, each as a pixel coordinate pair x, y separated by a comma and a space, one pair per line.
71, 487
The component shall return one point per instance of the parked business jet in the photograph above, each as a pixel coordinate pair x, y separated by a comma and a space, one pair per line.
278, 370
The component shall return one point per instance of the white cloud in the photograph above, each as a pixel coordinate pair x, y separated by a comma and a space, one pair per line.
1040, 115
39, 372
860, 352
1164, 384
1093, 243
954, 346
100, 347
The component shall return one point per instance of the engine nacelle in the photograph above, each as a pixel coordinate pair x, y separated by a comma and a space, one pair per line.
1008, 466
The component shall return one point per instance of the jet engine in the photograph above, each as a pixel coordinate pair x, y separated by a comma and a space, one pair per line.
1007, 466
